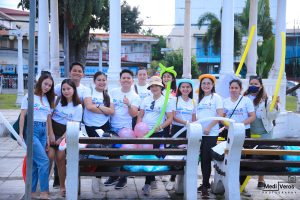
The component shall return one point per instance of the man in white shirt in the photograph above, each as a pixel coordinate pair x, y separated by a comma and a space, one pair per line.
126, 103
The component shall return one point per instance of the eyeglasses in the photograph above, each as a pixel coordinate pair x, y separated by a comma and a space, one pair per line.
152, 105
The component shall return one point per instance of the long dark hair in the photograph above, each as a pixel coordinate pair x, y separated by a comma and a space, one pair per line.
173, 83
106, 98
75, 99
39, 92
261, 94
178, 93
201, 92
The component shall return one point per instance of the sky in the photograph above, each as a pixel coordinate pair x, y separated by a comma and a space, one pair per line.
162, 12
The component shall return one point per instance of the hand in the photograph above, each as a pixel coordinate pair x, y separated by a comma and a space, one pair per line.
126, 101
52, 138
157, 129
207, 131
58, 141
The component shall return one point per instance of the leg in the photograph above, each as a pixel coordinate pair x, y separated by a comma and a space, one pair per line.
61, 166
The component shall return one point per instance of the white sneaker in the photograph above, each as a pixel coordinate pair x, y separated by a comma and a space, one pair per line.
153, 185
165, 178
170, 186
98, 186
245, 193
146, 189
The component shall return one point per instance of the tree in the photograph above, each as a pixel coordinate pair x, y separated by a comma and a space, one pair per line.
89, 14
213, 34
156, 48
175, 58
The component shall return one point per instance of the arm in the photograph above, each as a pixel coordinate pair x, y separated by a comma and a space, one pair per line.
133, 110
176, 119
214, 122
21, 122
51, 136
250, 119
140, 116
166, 123
272, 115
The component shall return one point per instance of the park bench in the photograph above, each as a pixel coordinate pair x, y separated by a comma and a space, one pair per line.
227, 172
186, 168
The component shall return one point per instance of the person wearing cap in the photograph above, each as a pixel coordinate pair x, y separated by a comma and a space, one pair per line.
150, 110
209, 105
183, 113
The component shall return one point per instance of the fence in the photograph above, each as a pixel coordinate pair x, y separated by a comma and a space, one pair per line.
12, 82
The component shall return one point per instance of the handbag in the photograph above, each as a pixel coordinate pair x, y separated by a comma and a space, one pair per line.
224, 132
17, 127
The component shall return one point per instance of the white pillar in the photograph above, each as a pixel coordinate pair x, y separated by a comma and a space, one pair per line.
100, 58
20, 94
43, 37
187, 41
280, 27
227, 37
114, 40
252, 54
54, 40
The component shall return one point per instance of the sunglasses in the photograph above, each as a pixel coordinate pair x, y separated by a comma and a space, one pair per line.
152, 105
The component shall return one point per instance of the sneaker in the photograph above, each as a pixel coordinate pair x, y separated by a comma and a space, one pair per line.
204, 193
121, 183
98, 186
201, 186
153, 185
261, 185
111, 181
245, 193
170, 186
56, 182
146, 189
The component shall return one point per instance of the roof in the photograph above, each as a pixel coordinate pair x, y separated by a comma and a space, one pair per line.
14, 12
129, 37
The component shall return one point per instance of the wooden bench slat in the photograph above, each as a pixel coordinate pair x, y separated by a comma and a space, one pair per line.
269, 163
127, 173
279, 152
268, 173
96, 140
279, 142
119, 152
121, 162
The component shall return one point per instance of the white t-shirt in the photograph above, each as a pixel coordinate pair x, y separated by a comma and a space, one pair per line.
184, 110
95, 119
143, 92
63, 114
82, 91
207, 107
241, 112
121, 118
41, 109
151, 115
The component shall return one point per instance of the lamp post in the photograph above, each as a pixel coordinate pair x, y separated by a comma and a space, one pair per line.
19, 35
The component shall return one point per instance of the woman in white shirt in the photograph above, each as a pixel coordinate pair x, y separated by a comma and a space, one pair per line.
43, 103
150, 110
68, 108
102, 107
209, 105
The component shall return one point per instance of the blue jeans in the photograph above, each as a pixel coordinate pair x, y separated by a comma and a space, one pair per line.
40, 167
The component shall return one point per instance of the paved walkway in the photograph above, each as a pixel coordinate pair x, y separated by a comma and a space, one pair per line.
12, 184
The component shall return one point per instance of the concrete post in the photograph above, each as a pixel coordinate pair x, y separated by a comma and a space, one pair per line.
227, 37
43, 37
100, 57
114, 40
54, 40
252, 54
20, 94
187, 41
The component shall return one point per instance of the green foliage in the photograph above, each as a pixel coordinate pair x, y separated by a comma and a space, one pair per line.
129, 17
265, 57
156, 48
213, 34
175, 58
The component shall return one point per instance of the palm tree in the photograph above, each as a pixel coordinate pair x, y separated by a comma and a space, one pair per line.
213, 34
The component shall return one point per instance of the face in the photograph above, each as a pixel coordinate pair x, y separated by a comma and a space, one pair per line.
126, 80
46, 85
67, 90
100, 82
235, 89
255, 82
206, 85
142, 75
155, 89
76, 73
167, 77
185, 89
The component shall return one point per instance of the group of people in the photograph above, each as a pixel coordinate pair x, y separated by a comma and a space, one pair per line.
131, 103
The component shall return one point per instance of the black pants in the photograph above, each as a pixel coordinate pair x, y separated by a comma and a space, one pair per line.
91, 130
205, 151
161, 134
247, 135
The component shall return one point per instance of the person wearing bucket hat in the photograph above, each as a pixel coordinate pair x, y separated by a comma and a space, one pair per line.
209, 105
183, 113
150, 110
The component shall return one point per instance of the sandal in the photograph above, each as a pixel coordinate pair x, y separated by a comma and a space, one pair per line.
44, 196
63, 192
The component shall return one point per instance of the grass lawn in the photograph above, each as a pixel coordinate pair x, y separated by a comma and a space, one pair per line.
8, 101
291, 103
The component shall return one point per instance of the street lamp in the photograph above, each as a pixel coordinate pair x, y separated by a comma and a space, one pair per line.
18, 33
